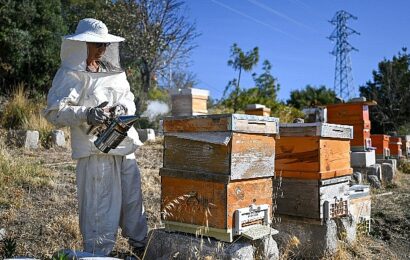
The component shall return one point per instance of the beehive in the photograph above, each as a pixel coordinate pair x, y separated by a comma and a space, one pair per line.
213, 166
313, 151
317, 200
355, 114
381, 142
257, 110
405, 147
191, 101
395, 144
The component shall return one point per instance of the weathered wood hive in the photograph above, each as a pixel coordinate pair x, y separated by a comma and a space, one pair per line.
191, 101
313, 160
405, 147
381, 142
355, 114
395, 144
215, 165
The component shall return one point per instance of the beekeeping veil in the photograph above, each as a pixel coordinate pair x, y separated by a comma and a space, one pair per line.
74, 47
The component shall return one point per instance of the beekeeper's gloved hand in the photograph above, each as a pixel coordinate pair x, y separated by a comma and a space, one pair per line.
97, 115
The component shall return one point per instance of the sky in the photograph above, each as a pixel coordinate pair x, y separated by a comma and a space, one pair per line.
292, 35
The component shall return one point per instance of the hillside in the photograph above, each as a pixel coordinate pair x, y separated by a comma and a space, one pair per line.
39, 208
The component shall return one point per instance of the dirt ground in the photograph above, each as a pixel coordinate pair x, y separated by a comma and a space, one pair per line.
45, 220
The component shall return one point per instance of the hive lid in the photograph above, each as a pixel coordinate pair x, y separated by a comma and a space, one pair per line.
222, 122
317, 129
221, 138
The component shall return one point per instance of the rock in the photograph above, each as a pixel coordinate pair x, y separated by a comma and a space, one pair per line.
388, 172
2, 234
74, 255
146, 135
299, 121
309, 240
57, 138
374, 181
175, 245
22, 138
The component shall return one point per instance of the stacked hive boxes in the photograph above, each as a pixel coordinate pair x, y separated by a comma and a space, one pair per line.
355, 114
405, 139
191, 101
381, 142
313, 160
395, 144
217, 173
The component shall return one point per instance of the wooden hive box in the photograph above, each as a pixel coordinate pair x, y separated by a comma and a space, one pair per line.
355, 114
381, 142
257, 110
214, 165
187, 102
313, 151
395, 144
317, 200
405, 147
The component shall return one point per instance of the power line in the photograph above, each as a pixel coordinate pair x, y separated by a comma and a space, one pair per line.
343, 82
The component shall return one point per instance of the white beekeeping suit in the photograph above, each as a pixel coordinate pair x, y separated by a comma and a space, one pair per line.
109, 185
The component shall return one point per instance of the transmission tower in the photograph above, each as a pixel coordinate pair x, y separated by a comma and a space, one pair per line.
343, 85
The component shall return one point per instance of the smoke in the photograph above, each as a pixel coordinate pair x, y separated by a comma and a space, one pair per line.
154, 109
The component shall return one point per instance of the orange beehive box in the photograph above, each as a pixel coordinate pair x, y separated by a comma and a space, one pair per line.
355, 114
210, 204
313, 151
381, 142
395, 147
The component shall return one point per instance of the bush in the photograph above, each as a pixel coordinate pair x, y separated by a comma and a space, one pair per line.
404, 166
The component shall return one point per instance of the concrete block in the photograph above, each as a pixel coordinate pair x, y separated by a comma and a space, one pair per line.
357, 178
388, 172
146, 135
167, 245
316, 239
375, 170
374, 181
393, 162
57, 138
22, 138
362, 159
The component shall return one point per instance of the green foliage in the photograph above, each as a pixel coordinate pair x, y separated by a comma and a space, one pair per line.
390, 89
17, 110
404, 166
239, 61
311, 96
30, 34
158, 93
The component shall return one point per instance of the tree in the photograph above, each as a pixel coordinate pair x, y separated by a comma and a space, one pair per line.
311, 96
390, 89
264, 92
239, 61
30, 41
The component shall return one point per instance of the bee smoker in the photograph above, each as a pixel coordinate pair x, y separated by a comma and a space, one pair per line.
114, 133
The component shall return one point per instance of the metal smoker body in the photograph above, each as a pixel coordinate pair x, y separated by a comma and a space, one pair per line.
113, 132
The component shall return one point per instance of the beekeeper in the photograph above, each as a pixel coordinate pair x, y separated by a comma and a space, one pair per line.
108, 185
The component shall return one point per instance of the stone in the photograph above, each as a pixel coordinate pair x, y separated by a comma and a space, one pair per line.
2, 234
57, 138
146, 135
375, 169
374, 181
315, 239
388, 172
80, 255
24, 138
299, 121
175, 245
357, 178
363, 159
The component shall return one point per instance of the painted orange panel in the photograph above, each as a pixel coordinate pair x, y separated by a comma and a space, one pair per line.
380, 142
343, 112
334, 155
242, 194
195, 202
395, 146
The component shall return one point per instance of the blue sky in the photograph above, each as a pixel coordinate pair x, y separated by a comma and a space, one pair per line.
291, 34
